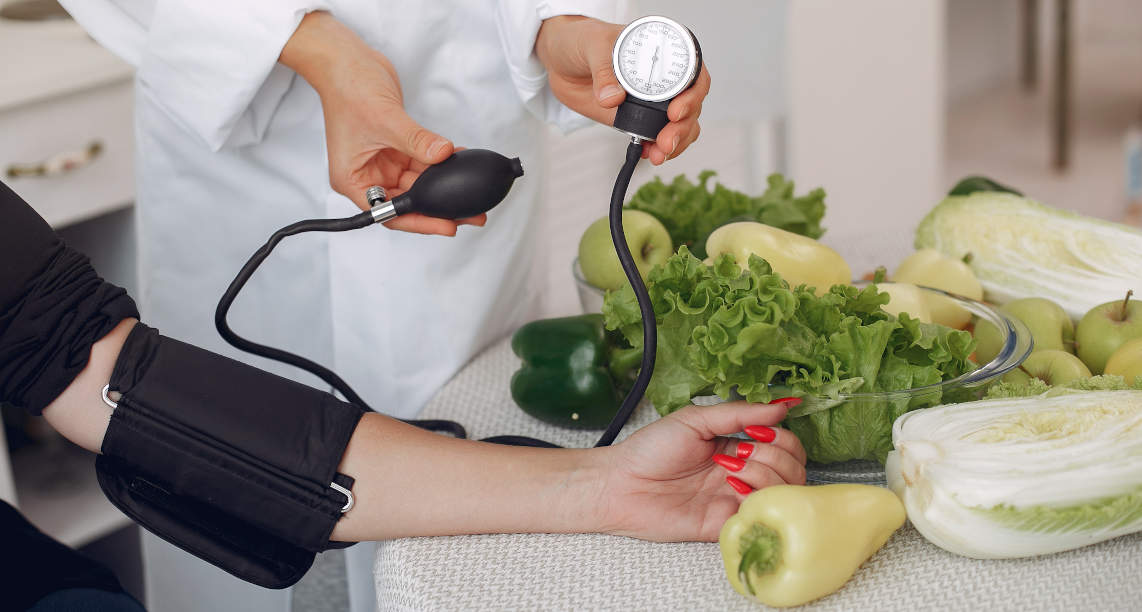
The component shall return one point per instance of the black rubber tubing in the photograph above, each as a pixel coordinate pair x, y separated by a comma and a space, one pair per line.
365, 219
649, 326
358, 221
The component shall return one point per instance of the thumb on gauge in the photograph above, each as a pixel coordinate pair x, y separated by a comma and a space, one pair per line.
608, 92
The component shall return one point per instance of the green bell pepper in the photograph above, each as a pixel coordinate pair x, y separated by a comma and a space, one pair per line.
573, 372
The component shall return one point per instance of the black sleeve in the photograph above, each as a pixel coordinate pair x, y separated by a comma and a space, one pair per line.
53, 307
38, 565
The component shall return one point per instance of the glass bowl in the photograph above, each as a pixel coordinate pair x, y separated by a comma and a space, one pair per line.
590, 296
886, 406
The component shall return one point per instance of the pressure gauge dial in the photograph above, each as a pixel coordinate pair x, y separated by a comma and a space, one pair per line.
655, 59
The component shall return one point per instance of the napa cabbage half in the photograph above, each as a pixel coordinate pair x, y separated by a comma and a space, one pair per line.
1021, 248
1021, 477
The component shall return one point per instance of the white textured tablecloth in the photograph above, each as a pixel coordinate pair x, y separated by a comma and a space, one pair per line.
597, 572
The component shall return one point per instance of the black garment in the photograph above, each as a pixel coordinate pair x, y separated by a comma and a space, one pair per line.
87, 600
53, 307
38, 566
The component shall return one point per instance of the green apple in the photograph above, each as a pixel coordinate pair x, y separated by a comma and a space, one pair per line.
906, 298
647, 238
1105, 328
1051, 366
931, 268
1126, 361
798, 259
1049, 324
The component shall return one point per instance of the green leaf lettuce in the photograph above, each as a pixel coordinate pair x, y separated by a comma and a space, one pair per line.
725, 331
692, 211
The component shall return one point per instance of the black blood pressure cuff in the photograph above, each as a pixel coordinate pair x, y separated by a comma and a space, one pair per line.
233, 464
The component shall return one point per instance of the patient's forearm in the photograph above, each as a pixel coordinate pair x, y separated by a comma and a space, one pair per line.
411, 482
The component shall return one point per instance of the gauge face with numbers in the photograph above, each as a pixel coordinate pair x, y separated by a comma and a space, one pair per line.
655, 58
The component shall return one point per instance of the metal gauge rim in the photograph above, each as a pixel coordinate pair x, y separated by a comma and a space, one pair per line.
683, 83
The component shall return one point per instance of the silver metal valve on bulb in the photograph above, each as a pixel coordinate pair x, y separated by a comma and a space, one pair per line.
380, 209
375, 195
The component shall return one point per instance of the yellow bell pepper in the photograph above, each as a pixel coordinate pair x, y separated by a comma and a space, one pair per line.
798, 259
931, 268
789, 544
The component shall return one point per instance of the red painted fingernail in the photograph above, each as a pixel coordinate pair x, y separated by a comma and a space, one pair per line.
761, 433
745, 449
732, 464
739, 486
788, 401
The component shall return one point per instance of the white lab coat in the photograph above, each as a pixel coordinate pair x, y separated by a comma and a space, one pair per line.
230, 147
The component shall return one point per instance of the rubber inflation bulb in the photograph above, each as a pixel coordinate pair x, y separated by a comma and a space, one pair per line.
468, 183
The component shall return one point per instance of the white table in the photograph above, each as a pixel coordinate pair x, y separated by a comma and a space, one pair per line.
597, 572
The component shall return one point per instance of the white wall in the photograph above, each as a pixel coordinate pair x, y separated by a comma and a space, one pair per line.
866, 109
1107, 21
983, 45
744, 43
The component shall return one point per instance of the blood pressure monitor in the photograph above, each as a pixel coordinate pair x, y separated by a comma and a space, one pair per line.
655, 59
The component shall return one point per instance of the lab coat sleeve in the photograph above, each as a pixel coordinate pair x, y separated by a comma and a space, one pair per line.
118, 30
518, 22
211, 65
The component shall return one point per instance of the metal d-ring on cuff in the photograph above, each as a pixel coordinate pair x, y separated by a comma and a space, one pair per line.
107, 399
347, 493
